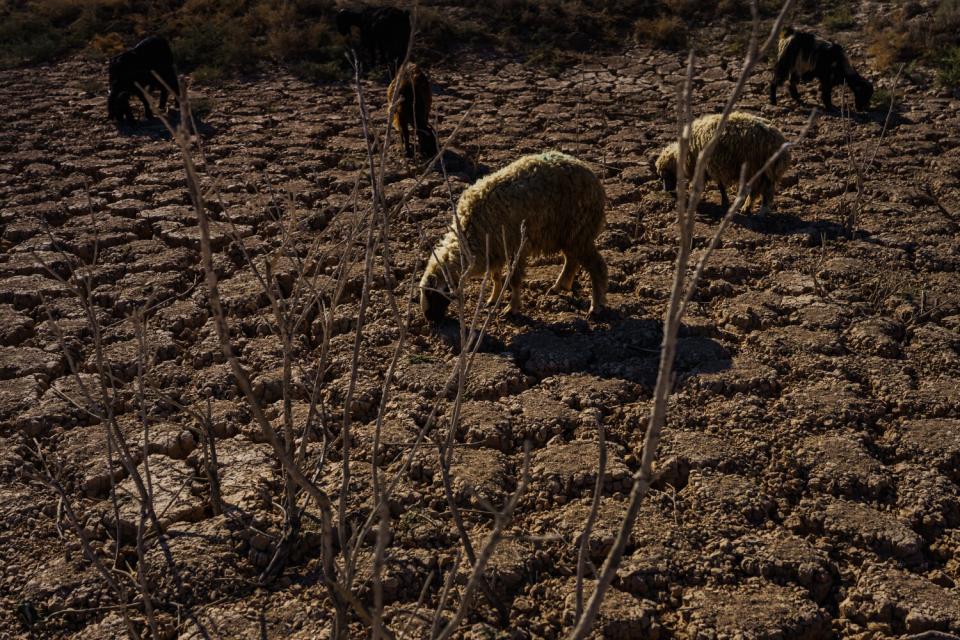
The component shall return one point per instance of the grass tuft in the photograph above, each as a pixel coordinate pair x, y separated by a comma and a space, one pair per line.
839, 18
665, 31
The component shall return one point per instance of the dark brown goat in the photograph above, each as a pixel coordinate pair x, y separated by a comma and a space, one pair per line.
147, 65
802, 56
384, 33
412, 110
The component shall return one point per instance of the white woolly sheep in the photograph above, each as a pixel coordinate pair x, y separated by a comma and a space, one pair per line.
747, 139
560, 201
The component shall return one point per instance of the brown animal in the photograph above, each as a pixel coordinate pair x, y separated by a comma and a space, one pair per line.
414, 98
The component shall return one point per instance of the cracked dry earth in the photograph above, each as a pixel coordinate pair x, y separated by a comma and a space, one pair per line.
810, 468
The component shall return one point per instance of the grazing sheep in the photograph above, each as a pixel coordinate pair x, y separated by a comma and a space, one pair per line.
746, 139
560, 201
384, 33
137, 66
803, 56
412, 109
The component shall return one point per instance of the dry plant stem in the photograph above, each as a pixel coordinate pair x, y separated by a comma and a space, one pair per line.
103, 411
369, 252
282, 453
861, 168
886, 121
423, 596
360, 609
501, 521
431, 420
445, 593
344, 265
592, 516
47, 478
464, 362
380, 205
210, 461
391, 370
383, 533
243, 380
458, 375
139, 323
688, 198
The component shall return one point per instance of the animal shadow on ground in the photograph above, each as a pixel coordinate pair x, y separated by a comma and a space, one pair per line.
156, 130
454, 161
448, 330
622, 347
773, 223
787, 224
877, 115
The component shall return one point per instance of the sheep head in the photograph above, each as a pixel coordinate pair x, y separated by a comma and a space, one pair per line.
862, 92
666, 167
434, 297
443, 268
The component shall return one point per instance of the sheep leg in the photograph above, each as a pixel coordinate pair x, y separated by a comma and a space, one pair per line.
826, 89
170, 79
794, 92
773, 90
565, 280
597, 268
516, 284
405, 136
497, 276
126, 112
724, 200
766, 195
147, 112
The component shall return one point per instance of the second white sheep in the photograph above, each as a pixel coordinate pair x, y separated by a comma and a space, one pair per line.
747, 139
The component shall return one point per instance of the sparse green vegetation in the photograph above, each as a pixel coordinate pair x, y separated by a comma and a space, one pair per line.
909, 35
948, 68
839, 18
665, 31
881, 100
420, 358
214, 39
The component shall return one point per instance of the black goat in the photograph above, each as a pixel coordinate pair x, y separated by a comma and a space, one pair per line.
384, 33
803, 56
137, 66
412, 110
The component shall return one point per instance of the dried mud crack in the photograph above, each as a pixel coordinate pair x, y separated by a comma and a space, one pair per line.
809, 480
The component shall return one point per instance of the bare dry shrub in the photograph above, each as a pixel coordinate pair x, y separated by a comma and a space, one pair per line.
862, 166
689, 193
668, 31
